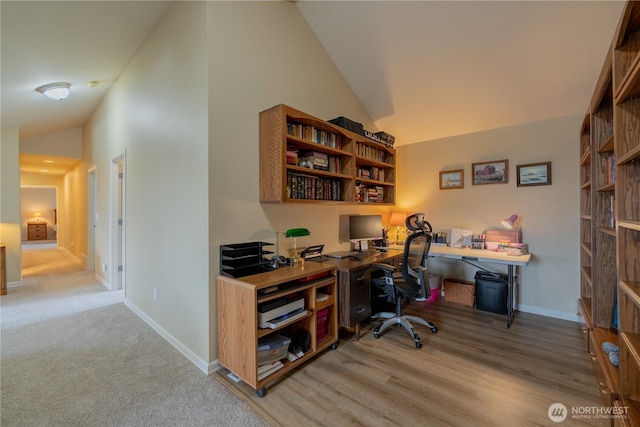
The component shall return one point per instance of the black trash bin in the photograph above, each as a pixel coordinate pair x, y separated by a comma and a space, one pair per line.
491, 292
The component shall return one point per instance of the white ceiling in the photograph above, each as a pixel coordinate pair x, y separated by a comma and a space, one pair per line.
422, 69
432, 69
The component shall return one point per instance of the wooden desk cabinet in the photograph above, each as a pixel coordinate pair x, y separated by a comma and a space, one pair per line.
238, 330
354, 287
36, 231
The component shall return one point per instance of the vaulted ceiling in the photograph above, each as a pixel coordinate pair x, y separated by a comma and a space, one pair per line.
422, 69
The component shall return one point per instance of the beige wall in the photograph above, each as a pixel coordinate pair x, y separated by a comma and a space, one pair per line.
549, 219
273, 58
156, 113
64, 143
10, 203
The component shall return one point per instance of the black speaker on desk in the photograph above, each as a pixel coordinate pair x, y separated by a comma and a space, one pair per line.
491, 292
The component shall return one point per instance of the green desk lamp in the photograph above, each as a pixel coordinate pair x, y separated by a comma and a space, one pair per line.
294, 233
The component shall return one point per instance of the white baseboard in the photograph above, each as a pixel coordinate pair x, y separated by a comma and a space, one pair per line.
186, 352
69, 252
573, 317
214, 366
14, 284
102, 281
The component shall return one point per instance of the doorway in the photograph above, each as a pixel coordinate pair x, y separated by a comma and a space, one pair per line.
39, 216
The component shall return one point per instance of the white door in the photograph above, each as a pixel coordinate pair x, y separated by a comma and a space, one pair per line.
118, 222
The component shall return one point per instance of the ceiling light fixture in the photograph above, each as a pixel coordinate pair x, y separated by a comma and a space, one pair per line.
57, 91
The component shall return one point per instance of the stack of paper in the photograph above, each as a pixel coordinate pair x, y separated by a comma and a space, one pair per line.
268, 369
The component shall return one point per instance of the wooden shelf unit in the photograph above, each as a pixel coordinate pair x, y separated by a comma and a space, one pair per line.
358, 166
238, 330
610, 182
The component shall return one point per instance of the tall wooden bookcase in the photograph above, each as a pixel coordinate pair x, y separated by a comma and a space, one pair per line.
359, 170
610, 220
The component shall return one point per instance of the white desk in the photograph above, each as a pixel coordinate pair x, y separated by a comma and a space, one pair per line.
477, 255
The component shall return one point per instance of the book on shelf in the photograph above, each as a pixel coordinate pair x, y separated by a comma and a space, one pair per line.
292, 157
271, 370
308, 187
319, 136
611, 169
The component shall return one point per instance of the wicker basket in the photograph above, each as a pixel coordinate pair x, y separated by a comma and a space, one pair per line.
460, 291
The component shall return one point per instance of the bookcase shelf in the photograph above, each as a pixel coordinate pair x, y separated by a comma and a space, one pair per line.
610, 304
359, 170
238, 307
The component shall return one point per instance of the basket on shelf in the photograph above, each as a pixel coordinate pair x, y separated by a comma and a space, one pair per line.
460, 291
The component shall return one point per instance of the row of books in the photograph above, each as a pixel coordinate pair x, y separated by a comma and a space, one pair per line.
308, 187
611, 169
371, 173
369, 152
312, 134
374, 194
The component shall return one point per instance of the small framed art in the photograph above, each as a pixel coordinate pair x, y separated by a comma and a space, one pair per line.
533, 174
494, 172
450, 180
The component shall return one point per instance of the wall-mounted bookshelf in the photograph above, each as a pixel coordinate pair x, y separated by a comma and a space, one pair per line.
309, 160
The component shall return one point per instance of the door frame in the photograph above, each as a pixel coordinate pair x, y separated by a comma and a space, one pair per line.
117, 222
92, 211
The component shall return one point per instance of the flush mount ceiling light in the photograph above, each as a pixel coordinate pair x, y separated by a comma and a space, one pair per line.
57, 91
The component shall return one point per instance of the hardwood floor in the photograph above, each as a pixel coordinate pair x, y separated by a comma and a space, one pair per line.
473, 372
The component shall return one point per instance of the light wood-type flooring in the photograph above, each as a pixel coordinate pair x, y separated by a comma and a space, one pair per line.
473, 372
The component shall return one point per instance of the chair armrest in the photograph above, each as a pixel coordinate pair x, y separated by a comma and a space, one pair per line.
386, 267
423, 281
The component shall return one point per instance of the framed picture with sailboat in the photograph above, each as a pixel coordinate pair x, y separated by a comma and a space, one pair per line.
533, 174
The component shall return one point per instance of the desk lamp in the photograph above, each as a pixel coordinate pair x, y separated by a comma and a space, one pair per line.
512, 224
397, 219
37, 216
294, 233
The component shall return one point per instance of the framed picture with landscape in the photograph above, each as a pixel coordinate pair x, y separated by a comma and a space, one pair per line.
494, 172
533, 174
450, 180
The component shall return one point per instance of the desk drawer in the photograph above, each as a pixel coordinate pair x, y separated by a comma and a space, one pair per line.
355, 296
360, 291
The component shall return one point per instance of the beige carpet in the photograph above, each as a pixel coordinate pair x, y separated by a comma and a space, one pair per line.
72, 354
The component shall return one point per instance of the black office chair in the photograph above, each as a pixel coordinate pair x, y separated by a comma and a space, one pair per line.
411, 282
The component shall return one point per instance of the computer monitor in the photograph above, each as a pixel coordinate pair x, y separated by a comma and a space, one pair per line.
363, 228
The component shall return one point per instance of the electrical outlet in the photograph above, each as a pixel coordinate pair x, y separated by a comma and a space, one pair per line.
155, 292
